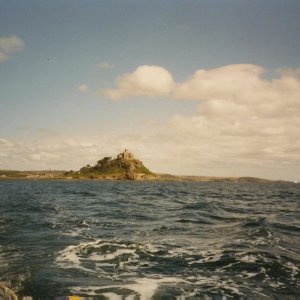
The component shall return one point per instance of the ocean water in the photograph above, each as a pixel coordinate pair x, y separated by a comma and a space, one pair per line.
150, 240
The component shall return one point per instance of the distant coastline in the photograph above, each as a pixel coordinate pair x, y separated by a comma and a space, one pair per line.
124, 167
64, 175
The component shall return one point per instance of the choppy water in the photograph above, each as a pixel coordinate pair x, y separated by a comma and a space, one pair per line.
147, 240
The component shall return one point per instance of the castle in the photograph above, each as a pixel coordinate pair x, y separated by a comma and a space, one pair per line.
126, 155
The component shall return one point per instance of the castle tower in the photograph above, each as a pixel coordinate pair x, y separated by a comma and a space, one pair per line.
126, 155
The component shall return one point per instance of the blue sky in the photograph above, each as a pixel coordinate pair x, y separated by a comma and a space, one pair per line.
52, 48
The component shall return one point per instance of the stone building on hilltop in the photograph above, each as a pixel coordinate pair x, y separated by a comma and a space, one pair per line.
126, 155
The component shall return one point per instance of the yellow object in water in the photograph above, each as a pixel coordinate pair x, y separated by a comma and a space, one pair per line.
73, 298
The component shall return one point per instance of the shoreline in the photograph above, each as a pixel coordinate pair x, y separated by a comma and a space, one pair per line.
58, 175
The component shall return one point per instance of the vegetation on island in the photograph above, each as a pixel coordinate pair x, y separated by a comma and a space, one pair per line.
125, 166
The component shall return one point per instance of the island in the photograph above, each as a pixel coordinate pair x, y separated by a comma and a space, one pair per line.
124, 167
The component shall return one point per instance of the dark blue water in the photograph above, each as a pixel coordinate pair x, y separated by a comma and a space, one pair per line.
147, 240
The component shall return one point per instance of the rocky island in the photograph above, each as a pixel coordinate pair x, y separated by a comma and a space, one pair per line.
124, 167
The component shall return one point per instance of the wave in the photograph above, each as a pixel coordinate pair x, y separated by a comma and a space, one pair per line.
136, 265
135, 240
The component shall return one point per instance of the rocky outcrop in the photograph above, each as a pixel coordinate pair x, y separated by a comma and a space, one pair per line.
125, 166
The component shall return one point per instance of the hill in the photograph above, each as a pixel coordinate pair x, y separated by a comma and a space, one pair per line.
124, 167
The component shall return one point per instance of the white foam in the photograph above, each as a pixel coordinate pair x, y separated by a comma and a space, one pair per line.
151, 248
216, 282
293, 268
178, 251
209, 256
145, 288
130, 297
105, 265
276, 285
75, 255
128, 261
69, 257
249, 258
246, 274
112, 296
75, 232
84, 223
110, 256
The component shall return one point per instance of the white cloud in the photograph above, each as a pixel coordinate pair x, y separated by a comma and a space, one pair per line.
243, 118
83, 88
8, 46
42, 156
60, 152
150, 81
240, 91
106, 65
226, 83
5, 143
243, 123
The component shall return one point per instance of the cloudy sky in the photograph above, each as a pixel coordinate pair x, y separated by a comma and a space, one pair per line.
191, 87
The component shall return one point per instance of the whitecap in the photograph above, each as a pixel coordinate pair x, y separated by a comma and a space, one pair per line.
111, 256
145, 288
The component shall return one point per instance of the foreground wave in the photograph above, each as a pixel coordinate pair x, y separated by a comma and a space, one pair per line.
134, 240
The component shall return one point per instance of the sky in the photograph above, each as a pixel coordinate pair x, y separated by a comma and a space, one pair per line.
192, 87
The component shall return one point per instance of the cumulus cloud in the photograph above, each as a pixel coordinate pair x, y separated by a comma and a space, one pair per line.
241, 91
243, 119
150, 81
83, 88
8, 46
226, 82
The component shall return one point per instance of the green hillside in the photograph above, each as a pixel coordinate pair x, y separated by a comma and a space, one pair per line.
125, 166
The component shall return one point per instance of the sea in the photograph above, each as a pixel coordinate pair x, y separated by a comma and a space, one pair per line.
150, 240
